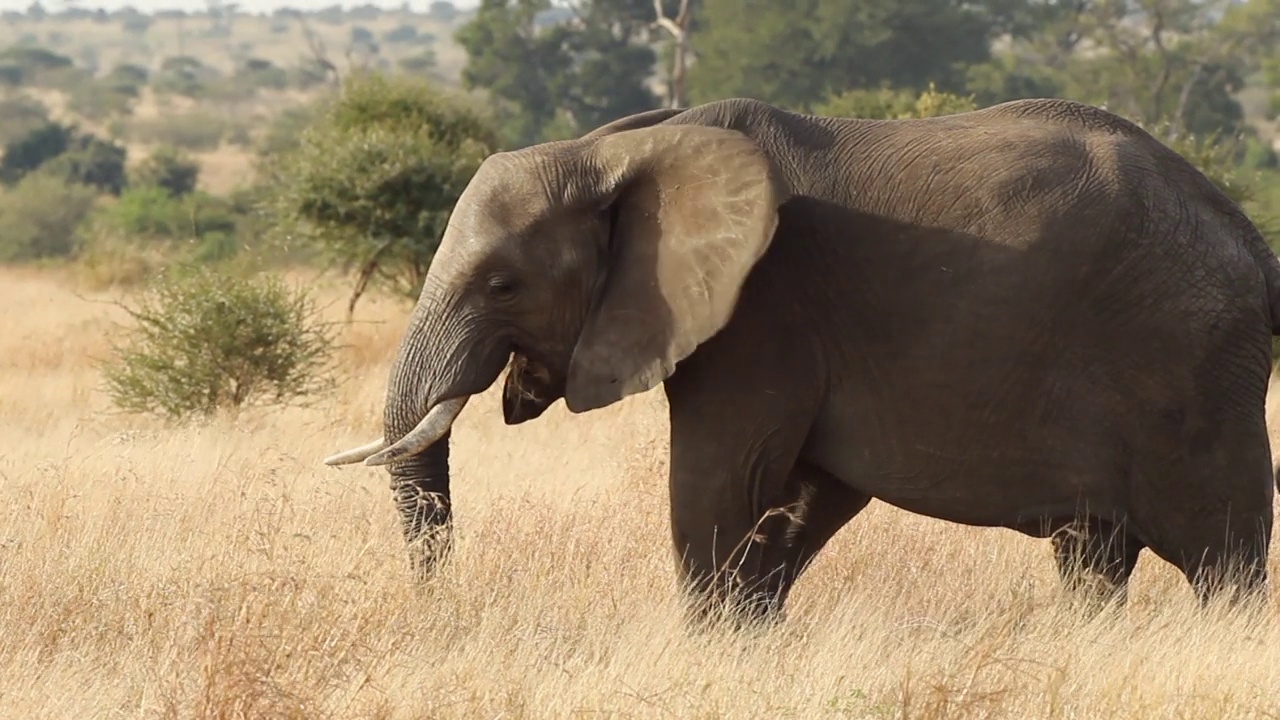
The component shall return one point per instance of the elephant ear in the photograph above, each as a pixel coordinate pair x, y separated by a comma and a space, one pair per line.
693, 209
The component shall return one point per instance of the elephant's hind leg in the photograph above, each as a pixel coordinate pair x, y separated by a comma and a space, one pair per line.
1095, 559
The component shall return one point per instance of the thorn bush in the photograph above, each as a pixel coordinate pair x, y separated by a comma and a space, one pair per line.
206, 341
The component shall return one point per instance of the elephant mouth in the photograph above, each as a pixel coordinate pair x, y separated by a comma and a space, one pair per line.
530, 388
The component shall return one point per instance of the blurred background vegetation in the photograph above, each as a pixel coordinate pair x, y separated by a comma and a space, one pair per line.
132, 143
343, 136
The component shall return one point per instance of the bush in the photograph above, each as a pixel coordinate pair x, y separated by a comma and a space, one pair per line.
169, 168
91, 161
894, 104
60, 150
30, 151
206, 341
40, 218
151, 213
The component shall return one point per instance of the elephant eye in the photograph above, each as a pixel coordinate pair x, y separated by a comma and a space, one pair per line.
502, 287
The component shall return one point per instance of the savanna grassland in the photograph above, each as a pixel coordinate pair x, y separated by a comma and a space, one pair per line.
220, 570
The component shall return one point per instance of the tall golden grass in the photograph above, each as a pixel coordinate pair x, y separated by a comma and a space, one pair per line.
221, 571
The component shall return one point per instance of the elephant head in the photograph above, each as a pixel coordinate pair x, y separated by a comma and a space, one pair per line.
594, 265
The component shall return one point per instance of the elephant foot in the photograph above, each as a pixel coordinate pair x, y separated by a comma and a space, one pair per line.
1095, 559
725, 605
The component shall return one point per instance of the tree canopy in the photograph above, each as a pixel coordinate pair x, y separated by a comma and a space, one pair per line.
374, 178
555, 72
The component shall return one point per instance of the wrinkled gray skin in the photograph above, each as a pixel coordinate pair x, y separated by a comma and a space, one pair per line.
1032, 316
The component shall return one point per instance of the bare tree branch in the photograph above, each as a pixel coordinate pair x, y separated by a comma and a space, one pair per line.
315, 44
678, 28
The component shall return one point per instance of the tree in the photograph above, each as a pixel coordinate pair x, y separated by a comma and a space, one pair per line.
92, 161
170, 169
554, 79
1177, 63
374, 178
797, 54
678, 25
33, 149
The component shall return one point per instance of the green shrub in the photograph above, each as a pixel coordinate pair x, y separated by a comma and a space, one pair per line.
147, 212
894, 104
150, 212
60, 150
30, 151
169, 168
206, 341
40, 218
91, 161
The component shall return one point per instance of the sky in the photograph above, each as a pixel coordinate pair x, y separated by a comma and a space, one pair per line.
248, 5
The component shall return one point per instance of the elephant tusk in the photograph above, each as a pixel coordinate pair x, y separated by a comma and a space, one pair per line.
356, 455
430, 429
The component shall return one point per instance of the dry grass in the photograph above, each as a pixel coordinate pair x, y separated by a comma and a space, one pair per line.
222, 571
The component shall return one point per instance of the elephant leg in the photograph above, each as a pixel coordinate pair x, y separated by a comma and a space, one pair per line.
747, 514
1224, 554
746, 557
1095, 559
1207, 509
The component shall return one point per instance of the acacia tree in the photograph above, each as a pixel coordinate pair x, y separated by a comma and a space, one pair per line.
556, 72
1174, 63
372, 181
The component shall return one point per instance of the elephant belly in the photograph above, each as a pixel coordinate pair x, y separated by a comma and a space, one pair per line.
1014, 484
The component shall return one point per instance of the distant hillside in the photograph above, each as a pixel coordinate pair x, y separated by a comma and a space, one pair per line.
225, 39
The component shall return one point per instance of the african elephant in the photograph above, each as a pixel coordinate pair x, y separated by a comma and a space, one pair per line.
1032, 316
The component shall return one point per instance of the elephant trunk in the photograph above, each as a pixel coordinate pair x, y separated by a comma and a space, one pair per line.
447, 355
420, 488
418, 434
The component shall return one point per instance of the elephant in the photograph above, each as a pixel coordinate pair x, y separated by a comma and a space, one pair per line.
1032, 316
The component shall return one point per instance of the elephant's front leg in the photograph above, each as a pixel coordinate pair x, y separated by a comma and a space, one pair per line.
747, 516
